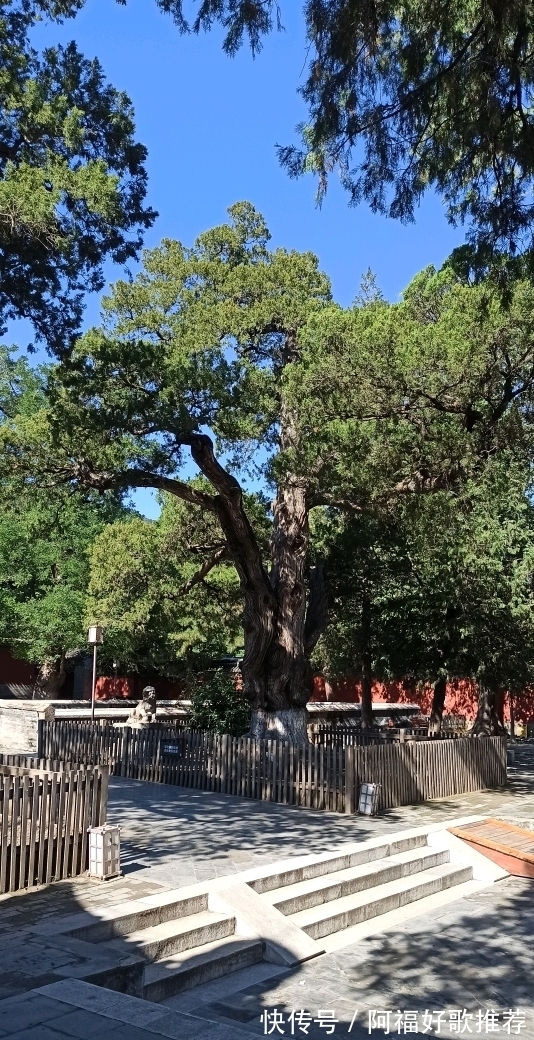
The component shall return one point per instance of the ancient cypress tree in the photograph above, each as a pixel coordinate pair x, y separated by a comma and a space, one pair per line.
233, 356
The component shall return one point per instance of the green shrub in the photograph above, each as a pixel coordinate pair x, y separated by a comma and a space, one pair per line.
217, 704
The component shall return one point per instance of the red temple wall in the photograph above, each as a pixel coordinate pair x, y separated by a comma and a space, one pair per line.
13, 670
460, 698
122, 688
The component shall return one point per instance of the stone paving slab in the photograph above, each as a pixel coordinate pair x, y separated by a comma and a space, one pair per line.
474, 955
46, 904
78, 1011
185, 836
476, 952
175, 836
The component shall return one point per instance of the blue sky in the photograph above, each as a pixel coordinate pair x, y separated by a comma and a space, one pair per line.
211, 124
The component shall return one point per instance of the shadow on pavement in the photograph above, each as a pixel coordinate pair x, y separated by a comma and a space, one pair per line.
178, 835
474, 955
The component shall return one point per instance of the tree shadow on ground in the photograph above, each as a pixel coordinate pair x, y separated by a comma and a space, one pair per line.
181, 834
475, 955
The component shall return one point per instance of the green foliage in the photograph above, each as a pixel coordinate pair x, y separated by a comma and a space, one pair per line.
415, 396
217, 705
72, 177
449, 579
368, 564
385, 399
410, 97
415, 419
45, 541
194, 342
164, 591
240, 18
45, 537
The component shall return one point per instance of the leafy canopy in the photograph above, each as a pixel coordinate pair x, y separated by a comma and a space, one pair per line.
195, 342
407, 97
72, 176
448, 577
165, 590
414, 396
382, 405
46, 534
385, 400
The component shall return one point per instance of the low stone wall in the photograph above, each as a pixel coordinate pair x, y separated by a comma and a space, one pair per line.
19, 725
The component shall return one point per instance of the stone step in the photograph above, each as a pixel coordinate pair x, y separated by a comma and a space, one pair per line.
331, 862
185, 970
176, 936
133, 916
350, 910
392, 920
305, 894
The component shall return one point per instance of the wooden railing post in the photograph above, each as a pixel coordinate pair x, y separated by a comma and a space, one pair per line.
350, 781
40, 738
224, 763
103, 800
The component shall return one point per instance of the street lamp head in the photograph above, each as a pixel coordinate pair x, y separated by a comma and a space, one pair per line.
95, 635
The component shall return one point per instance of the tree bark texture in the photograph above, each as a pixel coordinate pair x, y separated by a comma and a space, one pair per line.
438, 705
487, 722
289, 725
50, 678
281, 621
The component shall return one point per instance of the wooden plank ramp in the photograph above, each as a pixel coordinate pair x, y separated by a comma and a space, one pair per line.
509, 846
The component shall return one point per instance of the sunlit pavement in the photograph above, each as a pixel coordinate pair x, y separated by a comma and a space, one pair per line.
463, 972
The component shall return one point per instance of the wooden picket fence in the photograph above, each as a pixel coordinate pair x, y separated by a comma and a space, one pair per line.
417, 771
315, 776
265, 769
330, 735
45, 813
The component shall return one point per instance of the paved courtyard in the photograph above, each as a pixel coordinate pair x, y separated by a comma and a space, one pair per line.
474, 957
176, 836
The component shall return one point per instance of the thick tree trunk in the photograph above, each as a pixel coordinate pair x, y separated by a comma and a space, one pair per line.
289, 680
281, 624
50, 678
487, 722
438, 705
440, 686
289, 725
285, 675
367, 672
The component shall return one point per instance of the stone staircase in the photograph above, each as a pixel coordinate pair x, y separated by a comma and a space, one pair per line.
165, 948
327, 905
286, 913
